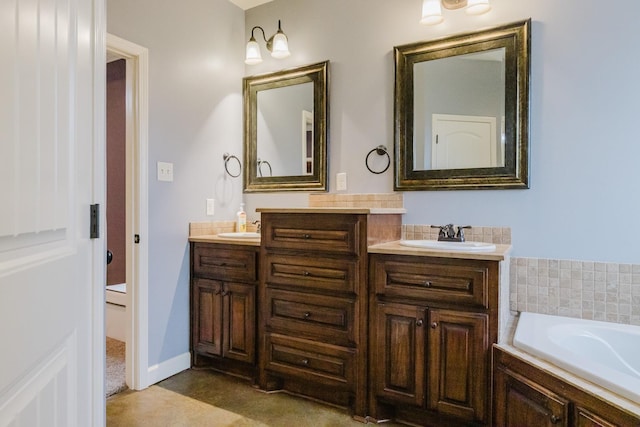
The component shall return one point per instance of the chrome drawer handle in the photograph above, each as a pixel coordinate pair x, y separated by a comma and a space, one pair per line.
419, 322
555, 419
307, 315
306, 236
306, 273
427, 284
434, 325
305, 362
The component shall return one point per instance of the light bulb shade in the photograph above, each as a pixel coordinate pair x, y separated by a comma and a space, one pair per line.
478, 7
431, 12
280, 46
253, 55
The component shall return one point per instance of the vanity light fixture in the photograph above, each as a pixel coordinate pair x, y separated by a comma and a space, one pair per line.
278, 45
432, 9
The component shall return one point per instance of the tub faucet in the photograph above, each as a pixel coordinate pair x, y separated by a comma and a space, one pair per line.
448, 233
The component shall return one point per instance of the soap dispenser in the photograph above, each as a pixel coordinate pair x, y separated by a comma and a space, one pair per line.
241, 220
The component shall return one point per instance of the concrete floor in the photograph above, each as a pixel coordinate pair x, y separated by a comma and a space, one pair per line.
203, 398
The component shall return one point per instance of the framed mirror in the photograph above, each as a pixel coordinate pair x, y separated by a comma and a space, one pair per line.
286, 130
461, 109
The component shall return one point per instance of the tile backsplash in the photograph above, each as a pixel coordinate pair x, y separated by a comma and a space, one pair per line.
582, 289
377, 200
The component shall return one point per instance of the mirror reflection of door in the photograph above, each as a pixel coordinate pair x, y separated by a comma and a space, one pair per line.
462, 142
307, 142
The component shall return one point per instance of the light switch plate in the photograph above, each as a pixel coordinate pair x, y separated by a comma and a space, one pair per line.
341, 181
165, 171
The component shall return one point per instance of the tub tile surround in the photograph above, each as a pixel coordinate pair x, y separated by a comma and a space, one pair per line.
582, 289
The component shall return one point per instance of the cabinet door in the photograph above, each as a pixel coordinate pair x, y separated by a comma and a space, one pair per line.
207, 316
399, 373
240, 322
585, 418
520, 401
458, 364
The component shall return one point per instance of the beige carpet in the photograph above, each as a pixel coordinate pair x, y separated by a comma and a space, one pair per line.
116, 365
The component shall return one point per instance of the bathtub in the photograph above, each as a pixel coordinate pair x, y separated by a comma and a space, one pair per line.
116, 311
604, 353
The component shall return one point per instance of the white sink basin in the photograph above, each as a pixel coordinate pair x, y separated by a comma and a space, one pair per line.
240, 235
450, 246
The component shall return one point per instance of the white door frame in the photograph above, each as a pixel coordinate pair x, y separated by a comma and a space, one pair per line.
137, 270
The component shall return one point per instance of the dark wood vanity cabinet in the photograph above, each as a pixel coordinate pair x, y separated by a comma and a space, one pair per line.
223, 307
313, 303
527, 396
433, 323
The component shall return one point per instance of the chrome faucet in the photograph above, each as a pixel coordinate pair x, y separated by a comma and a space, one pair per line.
448, 233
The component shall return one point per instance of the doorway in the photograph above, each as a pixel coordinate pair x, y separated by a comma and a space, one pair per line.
135, 207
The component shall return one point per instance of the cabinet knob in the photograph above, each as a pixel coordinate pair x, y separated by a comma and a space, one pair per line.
305, 362
434, 325
307, 315
554, 419
306, 273
306, 236
419, 322
427, 284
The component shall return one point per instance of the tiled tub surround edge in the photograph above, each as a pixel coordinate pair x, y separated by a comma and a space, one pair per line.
581, 289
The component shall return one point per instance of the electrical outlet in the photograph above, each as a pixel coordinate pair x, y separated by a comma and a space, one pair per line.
341, 181
165, 171
210, 206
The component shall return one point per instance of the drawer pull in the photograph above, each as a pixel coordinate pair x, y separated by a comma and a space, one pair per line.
307, 315
306, 273
555, 419
304, 362
419, 322
306, 236
434, 325
427, 284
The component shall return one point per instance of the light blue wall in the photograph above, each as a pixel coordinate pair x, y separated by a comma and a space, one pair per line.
195, 116
584, 199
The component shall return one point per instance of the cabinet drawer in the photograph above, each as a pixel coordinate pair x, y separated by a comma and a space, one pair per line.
336, 275
319, 362
311, 316
335, 233
459, 281
223, 263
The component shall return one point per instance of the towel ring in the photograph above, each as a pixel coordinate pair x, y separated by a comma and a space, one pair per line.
264, 162
380, 150
228, 157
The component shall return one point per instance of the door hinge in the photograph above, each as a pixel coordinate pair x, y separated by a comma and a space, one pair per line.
94, 221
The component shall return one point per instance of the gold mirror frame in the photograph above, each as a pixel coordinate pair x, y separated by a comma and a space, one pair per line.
317, 180
515, 39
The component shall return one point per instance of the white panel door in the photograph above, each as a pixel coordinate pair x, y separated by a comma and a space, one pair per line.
51, 147
460, 142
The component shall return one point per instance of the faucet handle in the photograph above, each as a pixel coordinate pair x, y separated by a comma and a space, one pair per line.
258, 223
446, 231
460, 234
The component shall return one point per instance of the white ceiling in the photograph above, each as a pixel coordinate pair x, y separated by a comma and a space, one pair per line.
248, 4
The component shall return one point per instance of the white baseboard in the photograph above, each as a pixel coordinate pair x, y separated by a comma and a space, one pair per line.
168, 368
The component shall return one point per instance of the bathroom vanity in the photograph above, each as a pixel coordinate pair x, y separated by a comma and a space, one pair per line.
343, 314
434, 317
224, 281
313, 301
